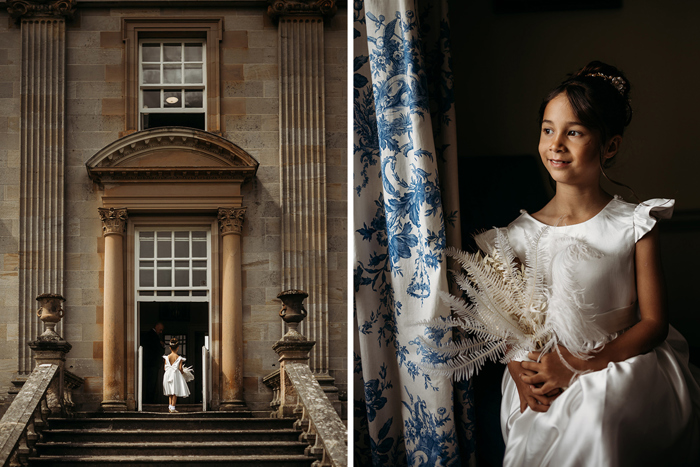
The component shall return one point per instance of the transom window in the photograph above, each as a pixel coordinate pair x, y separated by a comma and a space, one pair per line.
172, 83
173, 265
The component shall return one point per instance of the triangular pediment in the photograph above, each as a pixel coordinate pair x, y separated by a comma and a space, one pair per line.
171, 153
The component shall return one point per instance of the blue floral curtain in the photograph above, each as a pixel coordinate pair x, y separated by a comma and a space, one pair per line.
405, 213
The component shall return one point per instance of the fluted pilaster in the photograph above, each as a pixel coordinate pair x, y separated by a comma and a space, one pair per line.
303, 163
42, 94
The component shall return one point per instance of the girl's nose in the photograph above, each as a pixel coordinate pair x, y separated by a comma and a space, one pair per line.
557, 144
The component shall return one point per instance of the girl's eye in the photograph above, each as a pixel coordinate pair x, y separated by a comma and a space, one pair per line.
547, 131
574, 133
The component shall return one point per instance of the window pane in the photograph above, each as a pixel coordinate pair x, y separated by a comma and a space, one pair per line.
182, 278
164, 245
172, 74
145, 264
167, 293
146, 244
199, 246
199, 293
151, 99
193, 99
199, 264
151, 74
172, 99
193, 52
182, 293
199, 277
182, 248
193, 74
147, 293
172, 52
164, 279
150, 52
146, 278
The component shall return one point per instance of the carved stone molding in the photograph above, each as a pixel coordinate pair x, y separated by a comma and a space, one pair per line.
127, 159
19, 9
231, 220
280, 8
113, 220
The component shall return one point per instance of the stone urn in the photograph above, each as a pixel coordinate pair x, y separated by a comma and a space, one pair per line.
50, 312
293, 311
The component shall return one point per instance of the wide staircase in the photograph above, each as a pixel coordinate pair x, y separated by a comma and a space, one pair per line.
181, 439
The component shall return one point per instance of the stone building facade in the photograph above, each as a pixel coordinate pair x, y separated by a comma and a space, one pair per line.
173, 161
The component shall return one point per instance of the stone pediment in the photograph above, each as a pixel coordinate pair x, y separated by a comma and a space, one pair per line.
171, 153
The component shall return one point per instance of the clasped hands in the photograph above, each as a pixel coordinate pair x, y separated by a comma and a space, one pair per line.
540, 383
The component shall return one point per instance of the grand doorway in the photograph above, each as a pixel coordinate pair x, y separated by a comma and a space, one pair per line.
189, 322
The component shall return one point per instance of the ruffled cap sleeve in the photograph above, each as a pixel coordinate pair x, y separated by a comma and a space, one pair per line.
648, 213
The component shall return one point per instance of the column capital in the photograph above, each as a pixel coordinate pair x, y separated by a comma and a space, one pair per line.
231, 220
113, 220
20, 9
282, 8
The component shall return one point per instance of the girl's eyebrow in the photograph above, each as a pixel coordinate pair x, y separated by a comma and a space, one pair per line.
568, 123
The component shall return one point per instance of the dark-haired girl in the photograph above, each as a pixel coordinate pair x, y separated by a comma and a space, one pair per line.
617, 391
174, 384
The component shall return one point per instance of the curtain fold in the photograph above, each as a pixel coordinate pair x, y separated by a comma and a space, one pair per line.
405, 213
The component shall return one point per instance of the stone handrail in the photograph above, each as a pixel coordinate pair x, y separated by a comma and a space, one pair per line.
24, 419
323, 429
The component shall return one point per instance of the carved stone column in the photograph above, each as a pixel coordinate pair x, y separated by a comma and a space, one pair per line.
41, 127
303, 162
230, 224
113, 341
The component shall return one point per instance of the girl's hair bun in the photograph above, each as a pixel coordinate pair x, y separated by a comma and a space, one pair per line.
607, 73
174, 342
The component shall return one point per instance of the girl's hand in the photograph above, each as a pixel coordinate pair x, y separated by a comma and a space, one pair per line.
537, 402
550, 373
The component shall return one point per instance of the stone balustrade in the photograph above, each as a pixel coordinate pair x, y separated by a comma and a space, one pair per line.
322, 427
21, 426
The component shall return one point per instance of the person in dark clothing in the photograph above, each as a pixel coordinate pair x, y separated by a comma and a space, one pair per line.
153, 349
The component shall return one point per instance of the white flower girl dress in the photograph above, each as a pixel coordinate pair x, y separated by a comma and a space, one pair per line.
173, 381
644, 411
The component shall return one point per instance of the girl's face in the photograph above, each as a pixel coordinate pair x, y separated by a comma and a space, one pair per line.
569, 150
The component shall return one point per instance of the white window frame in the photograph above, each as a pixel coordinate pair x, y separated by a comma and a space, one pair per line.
165, 87
172, 297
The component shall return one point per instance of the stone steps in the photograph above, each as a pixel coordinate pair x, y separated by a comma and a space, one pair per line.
183, 439
180, 461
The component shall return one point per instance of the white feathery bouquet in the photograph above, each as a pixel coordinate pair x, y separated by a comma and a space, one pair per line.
513, 311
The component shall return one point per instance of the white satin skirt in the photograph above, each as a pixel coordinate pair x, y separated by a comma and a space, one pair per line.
644, 411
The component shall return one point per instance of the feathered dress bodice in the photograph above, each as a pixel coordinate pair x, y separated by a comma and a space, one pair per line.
641, 411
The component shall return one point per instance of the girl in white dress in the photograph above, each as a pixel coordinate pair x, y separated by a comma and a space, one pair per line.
633, 401
174, 384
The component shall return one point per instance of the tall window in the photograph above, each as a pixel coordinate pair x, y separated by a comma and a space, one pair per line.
173, 265
172, 82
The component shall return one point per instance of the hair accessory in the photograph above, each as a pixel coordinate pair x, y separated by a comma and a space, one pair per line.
616, 81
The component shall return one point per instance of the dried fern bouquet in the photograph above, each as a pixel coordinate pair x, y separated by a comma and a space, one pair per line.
508, 312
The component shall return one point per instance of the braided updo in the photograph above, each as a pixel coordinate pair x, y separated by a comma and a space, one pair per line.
599, 96
174, 343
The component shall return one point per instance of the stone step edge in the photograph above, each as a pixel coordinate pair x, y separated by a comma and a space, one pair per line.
157, 444
127, 459
203, 431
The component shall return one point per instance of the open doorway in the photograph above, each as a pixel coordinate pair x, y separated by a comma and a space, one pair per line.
189, 322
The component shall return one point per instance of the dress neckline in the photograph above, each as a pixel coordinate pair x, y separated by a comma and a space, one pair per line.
615, 198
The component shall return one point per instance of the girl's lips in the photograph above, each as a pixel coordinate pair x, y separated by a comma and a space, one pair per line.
558, 163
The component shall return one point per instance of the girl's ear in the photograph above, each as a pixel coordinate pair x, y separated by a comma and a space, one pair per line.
612, 147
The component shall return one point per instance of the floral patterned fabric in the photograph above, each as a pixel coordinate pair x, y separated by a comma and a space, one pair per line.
404, 153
